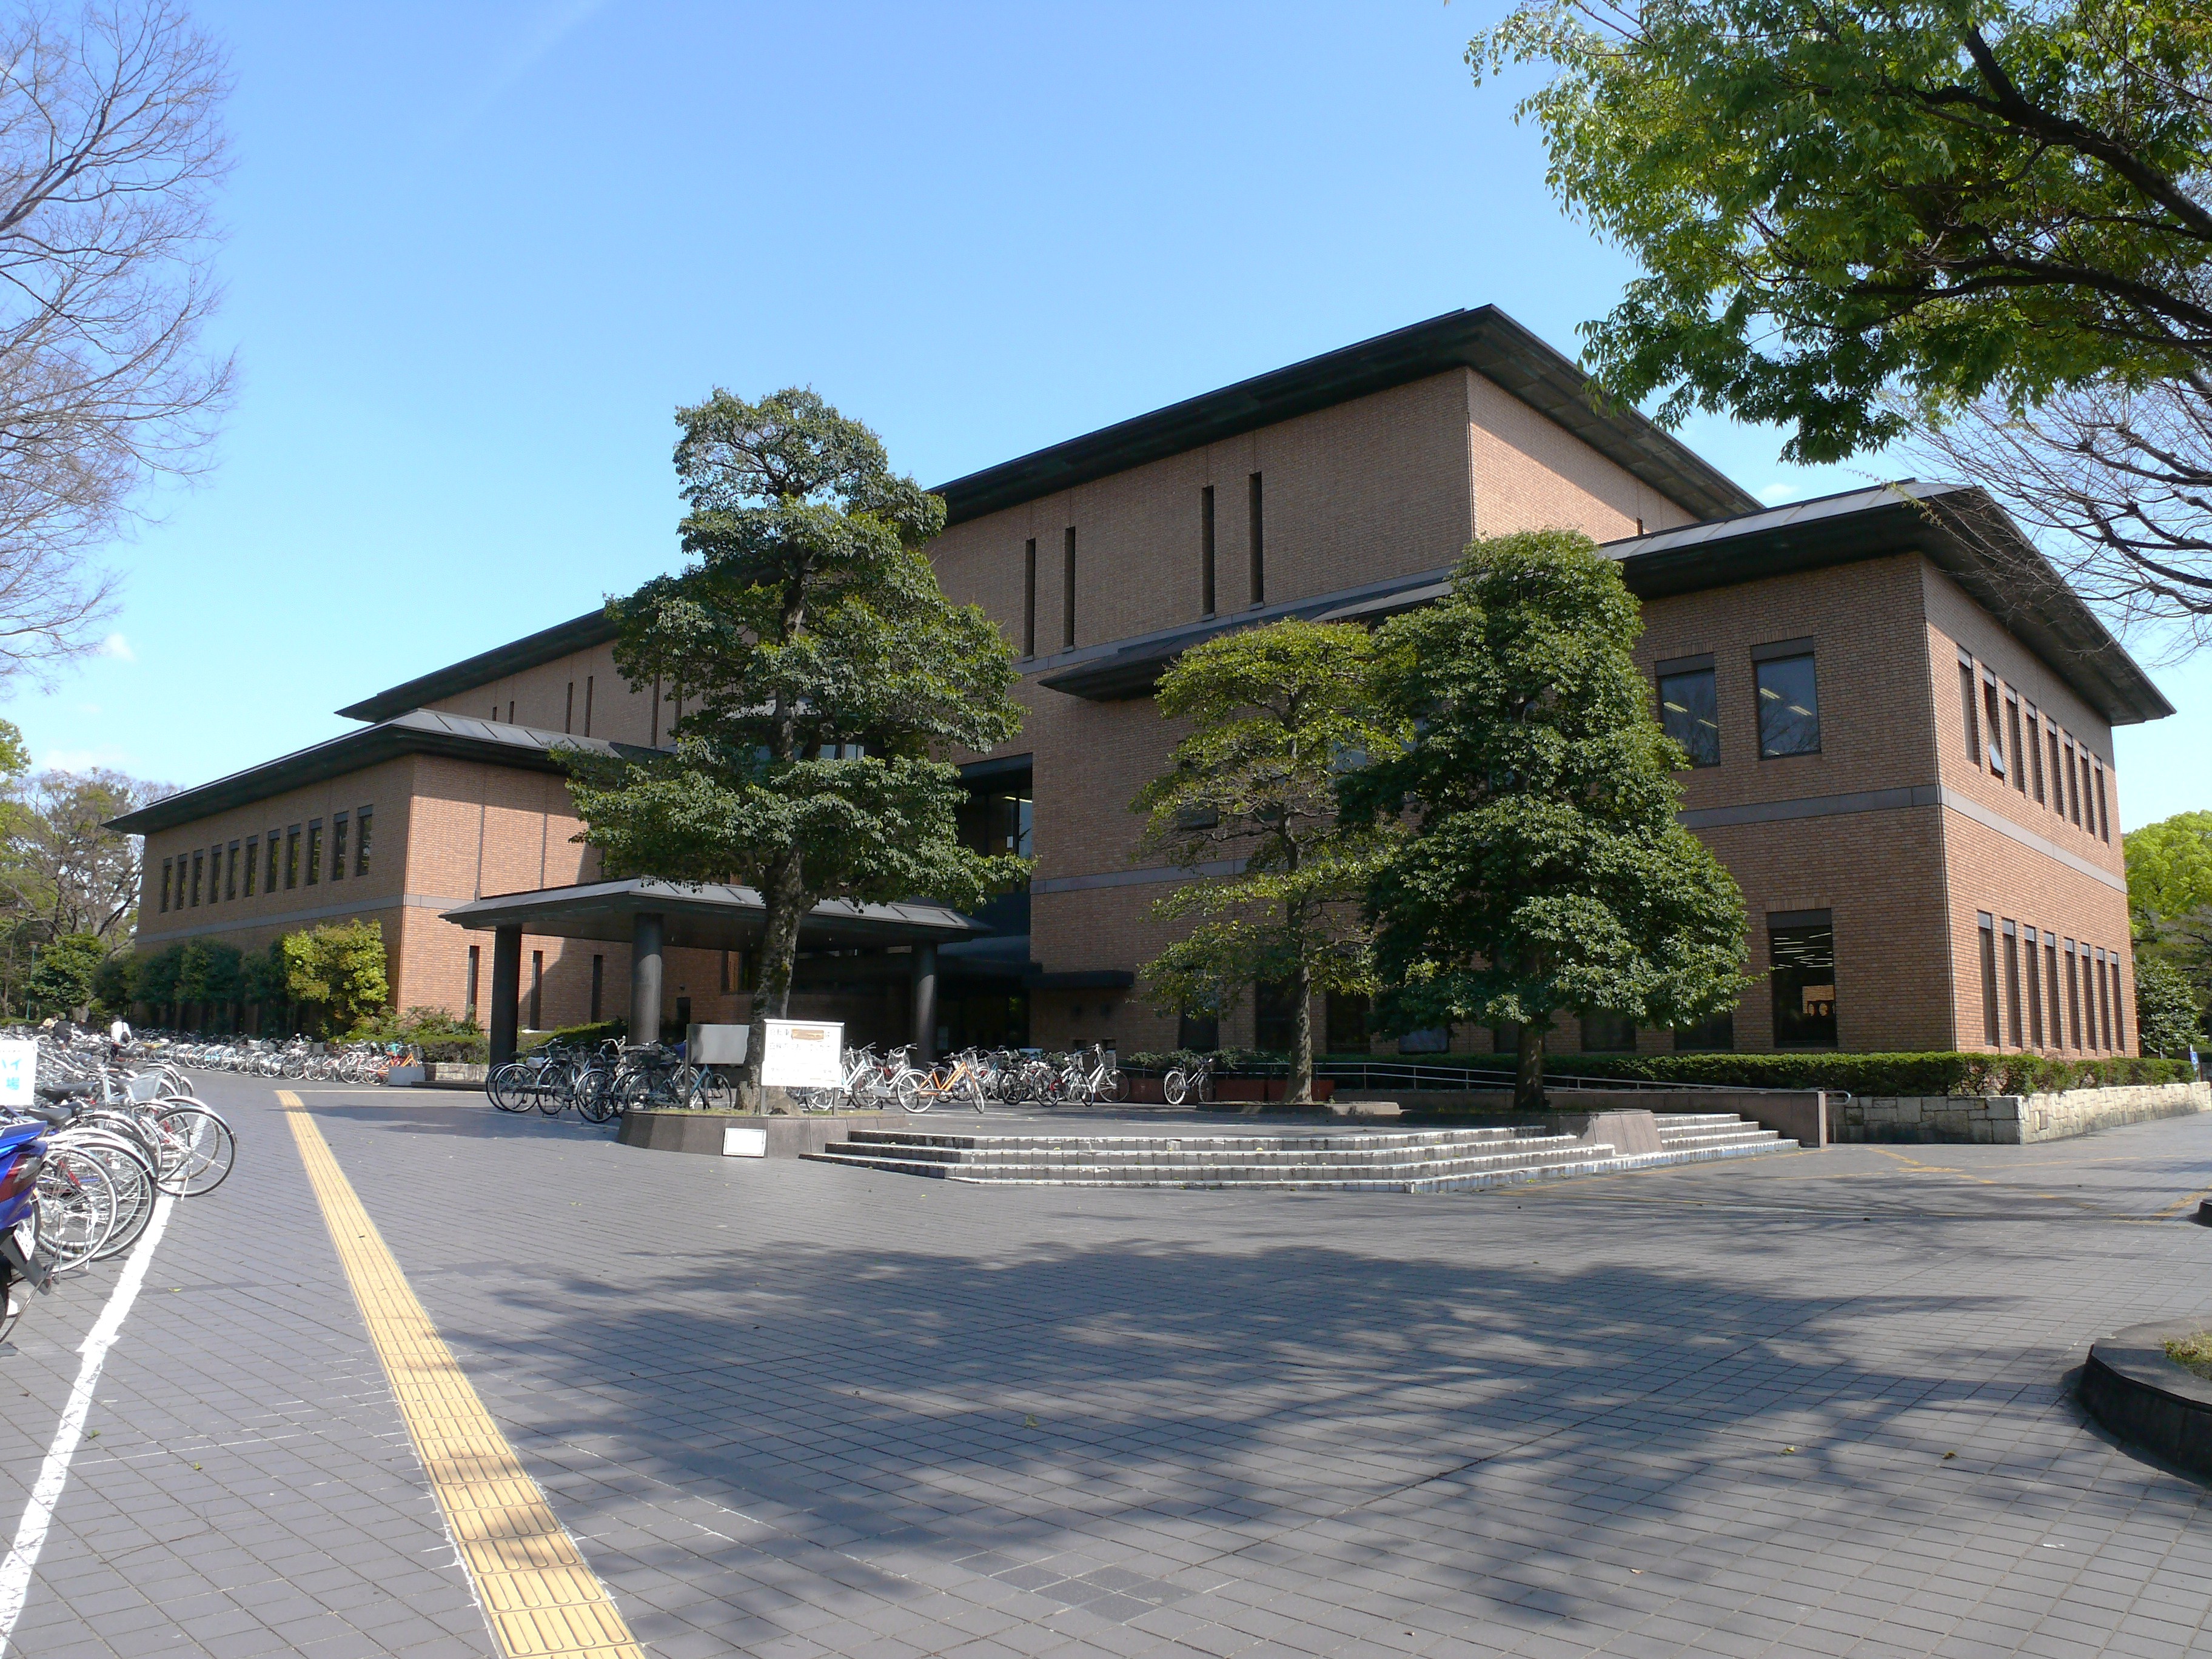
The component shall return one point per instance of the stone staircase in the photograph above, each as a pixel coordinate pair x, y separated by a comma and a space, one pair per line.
1317, 1160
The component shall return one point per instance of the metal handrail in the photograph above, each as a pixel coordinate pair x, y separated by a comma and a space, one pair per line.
1415, 1077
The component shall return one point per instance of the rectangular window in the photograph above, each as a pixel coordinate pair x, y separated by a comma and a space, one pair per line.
1505, 1039
1346, 1023
270, 885
214, 873
2013, 1021
598, 983
1274, 1016
361, 819
1428, 1040
339, 824
2073, 785
588, 680
2011, 733
1996, 730
510, 711
1029, 599
1969, 705
2104, 815
253, 863
165, 865
2051, 983
1608, 1034
230, 874
1715, 1035
1989, 978
568, 714
537, 990
469, 1002
1205, 551
314, 851
1067, 589
1199, 1033
1259, 543
1789, 700
2104, 1001
292, 858
2034, 988
2057, 777
199, 860
1690, 709
2072, 994
2035, 753
728, 985
1802, 957
2119, 1005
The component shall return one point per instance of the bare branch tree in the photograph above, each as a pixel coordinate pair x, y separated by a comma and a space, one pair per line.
109, 149
61, 869
2116, 484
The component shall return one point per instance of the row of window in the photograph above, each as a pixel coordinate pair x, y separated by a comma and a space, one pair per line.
1255, 567
2006, 734
290, 858
568, 718
2040, 991
1786, 697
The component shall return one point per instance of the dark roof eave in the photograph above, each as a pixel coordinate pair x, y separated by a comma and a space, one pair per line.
1484, 339
595, 628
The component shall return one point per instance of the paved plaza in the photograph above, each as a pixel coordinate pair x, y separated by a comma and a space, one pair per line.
1804, 1404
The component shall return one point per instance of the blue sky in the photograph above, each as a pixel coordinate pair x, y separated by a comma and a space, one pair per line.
478, 253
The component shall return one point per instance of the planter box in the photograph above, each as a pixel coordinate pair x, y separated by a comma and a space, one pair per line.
1268, 1088
404, 1077
706, 1133
454, 1074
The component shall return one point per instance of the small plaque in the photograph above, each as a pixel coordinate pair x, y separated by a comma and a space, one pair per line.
738, 1142
18, 1071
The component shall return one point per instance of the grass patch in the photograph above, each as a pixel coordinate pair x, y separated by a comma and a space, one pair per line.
2193, 1352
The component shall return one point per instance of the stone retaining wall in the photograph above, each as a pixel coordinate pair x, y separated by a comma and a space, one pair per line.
2011, 1120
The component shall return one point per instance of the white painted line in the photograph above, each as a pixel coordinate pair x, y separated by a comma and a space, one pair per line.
54, 1474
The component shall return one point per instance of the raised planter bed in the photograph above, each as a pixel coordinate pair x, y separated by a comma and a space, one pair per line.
2131, 1388
704, 1133
1144, 1089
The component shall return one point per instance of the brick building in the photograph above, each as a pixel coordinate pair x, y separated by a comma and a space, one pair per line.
1901, 719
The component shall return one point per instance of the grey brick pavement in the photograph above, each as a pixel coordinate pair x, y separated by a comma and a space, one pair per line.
795, 1410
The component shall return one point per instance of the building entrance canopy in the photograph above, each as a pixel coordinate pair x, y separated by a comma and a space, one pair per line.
651, 913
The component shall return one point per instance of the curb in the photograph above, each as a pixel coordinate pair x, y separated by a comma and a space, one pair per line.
2130, 1386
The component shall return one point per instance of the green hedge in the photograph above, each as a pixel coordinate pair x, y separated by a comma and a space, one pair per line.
596, 1032
1941, 1074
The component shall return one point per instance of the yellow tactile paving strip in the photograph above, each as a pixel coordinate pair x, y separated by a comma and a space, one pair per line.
541, 1600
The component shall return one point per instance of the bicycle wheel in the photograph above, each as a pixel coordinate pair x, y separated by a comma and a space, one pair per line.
1112, 1086
129, 1174
1175, 1087
595, 1096
553, 1094
908, 1090
75, 1209
504, 1087
204, 1151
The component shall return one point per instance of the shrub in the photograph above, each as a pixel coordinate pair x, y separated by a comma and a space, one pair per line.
1939, 1073
597, 1031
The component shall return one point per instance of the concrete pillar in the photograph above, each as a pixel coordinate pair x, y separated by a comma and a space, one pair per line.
506, 990
925, 1001
645, 977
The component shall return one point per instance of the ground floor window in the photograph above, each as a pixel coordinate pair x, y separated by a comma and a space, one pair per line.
1801, 968
1200, 1032
1347, 1023
1275, 1017
1715, 1035
1608, 1034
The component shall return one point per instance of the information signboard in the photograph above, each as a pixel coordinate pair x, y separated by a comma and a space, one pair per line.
804, 1053
18, 1071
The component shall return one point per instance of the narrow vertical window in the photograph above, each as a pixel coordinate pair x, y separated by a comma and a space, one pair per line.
2072, 784
568, 718
1968, 706
1802, 957
588, 680
2051, 979
1205, 551
230, 874
198, 860
2012, 733
292, 858
360, 841
340, 824
469, 1002
599, 984
510, 711
2035, 753
1690, 708
2013, 1024
725, 974
1989, 978
2034, 988
165, 865
314, 851
2104, 814
537, 990
1067, 590
1996, 729
2072, 994
2119, 1005
2057, 777
253, 862
275, 839
1258, 529
1029, 599
1789, 699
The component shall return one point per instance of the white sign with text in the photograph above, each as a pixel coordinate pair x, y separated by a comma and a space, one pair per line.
18, 1071
804, 1053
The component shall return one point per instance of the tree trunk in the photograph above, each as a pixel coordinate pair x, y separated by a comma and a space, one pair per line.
783, 898
1528, 1067
1300, 1088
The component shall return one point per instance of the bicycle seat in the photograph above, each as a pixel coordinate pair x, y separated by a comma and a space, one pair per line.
61, 1091
55, 1116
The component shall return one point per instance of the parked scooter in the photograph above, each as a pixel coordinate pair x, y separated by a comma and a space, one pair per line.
22, 1155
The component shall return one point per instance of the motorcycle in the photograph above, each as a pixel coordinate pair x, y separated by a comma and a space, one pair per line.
22, 1156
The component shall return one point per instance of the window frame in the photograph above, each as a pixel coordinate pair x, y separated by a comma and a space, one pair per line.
364, 824
1682, 668
253, 863
1765, 659
1796, 922
166, 864
1985, 928
1970, 704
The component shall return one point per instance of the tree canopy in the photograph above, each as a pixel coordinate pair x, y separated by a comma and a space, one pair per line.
1543, 871
2169, 870
815, 673
1277, 714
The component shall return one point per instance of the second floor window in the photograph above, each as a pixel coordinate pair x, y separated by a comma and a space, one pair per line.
339, 825
166, 866
360, 841
198, 860
292, 857
1789, 700
253, 863
314, 852
1690, 709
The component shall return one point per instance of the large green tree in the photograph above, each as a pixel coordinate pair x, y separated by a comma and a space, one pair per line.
2169, 1011
1544, 871
1987, 221
819, 674
1276, 716
2169, 897
61, 980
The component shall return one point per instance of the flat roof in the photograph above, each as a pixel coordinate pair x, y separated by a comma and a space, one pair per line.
706, 915
1959, 527
1484, 339
418, 731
